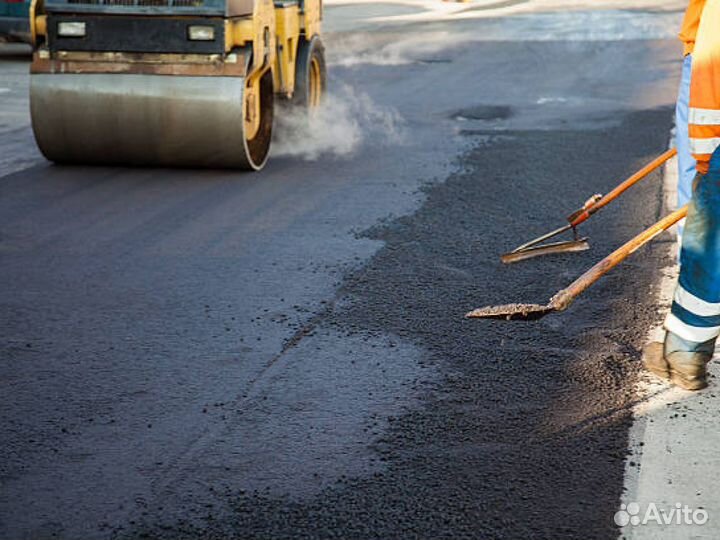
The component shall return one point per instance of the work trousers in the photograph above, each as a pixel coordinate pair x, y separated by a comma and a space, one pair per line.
695, 312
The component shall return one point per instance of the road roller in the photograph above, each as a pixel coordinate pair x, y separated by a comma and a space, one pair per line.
173, 83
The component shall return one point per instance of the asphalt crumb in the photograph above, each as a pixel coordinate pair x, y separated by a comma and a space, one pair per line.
526, 433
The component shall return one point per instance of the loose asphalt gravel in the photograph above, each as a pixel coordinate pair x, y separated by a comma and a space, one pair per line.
206, 354
524, 433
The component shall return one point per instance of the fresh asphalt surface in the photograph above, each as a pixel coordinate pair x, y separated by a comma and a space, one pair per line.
207, 354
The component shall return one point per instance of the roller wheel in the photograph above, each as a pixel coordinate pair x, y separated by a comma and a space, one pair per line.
310, 74
258, 144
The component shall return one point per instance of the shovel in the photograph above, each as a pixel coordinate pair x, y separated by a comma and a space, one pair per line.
562, 300
535, 248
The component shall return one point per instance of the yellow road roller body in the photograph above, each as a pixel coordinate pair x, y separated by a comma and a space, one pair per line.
170, 82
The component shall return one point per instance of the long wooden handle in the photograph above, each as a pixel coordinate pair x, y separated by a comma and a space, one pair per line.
564, 298
581, 216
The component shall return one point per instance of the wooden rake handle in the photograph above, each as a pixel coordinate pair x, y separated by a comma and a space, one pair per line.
582, 215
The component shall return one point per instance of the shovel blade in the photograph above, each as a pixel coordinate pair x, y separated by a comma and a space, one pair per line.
511, 312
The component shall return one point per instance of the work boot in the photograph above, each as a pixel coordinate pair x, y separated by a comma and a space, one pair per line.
682, 362
688, 361
653, 359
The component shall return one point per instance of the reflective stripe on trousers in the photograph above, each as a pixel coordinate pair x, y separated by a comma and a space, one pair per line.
695, 312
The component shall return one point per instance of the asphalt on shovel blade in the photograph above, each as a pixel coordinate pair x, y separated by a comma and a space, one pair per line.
511, 312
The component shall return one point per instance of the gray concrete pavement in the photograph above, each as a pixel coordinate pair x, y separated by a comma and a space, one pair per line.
208, 354
670, 473
19, 150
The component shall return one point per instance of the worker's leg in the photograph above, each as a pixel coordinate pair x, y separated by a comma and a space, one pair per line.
693, 324
686, 162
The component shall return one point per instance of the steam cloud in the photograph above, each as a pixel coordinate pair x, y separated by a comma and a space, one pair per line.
339, 127
360, 49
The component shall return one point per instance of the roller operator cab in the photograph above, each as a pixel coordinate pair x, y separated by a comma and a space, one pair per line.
14, 20
170, 82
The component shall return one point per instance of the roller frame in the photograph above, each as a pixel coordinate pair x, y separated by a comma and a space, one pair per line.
168, 109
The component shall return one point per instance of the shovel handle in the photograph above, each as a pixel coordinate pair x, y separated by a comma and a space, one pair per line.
564, 298
584, 213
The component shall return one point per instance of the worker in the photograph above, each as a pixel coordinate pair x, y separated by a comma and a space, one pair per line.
686, 161
693, 324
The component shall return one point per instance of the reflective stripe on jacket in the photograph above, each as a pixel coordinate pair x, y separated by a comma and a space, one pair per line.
704, 116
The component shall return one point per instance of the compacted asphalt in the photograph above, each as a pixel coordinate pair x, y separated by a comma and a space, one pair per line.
209, 354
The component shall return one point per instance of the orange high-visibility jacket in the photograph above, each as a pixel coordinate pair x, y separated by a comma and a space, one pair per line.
690, 24
704, 117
